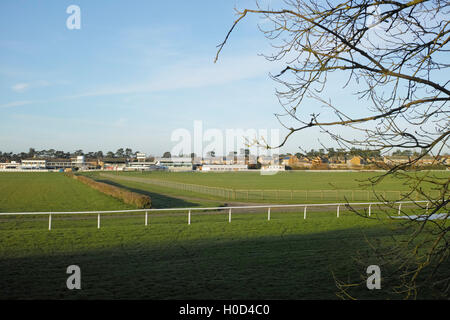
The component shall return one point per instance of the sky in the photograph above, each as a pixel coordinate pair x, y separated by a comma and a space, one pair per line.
133, 74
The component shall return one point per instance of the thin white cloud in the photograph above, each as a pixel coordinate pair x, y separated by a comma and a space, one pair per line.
23, 86
17, 103
198, 73
20, 87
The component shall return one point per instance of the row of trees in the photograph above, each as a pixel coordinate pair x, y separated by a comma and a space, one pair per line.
340, 153
128, 153
58, 154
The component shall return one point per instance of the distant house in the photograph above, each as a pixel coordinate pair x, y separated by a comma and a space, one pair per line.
273, 167
267, 160
213, 160
395, 160
356, 161
291, 161
427, 160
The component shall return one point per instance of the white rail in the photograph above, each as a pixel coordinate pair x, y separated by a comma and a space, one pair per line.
269, 207
216, 208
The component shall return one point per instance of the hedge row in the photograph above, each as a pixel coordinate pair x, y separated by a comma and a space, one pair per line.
139, 200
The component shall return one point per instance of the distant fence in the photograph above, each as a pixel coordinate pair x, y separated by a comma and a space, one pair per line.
229, 210
276, 195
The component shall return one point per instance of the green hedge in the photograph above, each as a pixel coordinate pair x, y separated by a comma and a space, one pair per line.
139, 200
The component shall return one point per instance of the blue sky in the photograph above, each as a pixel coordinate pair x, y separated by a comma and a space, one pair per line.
135, 72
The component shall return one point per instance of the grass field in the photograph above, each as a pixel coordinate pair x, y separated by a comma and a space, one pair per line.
28, 192
250, 258
287, 187
297, 180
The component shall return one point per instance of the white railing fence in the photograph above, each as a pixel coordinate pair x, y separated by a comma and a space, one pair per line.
189, 210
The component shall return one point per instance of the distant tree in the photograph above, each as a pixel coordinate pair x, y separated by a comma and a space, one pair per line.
51, 153
167, 155
400, 152
110, 154
60, 154
128, 152
31, 152
120, 153
331, 152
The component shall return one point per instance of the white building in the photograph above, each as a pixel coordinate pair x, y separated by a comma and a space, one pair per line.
224, 167
142, 166
141, 157
34, 164
273, 167
13, 165
175, 164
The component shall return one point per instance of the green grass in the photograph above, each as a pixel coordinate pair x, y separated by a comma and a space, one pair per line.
297, 180
31, 192
294, 187
249, 258
163, 197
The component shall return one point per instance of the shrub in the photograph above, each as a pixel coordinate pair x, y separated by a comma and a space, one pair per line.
139, 200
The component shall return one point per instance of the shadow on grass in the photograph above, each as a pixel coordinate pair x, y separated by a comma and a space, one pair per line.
269, 267
158, 200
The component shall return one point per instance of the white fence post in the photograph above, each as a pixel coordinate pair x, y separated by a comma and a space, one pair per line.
269, 208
